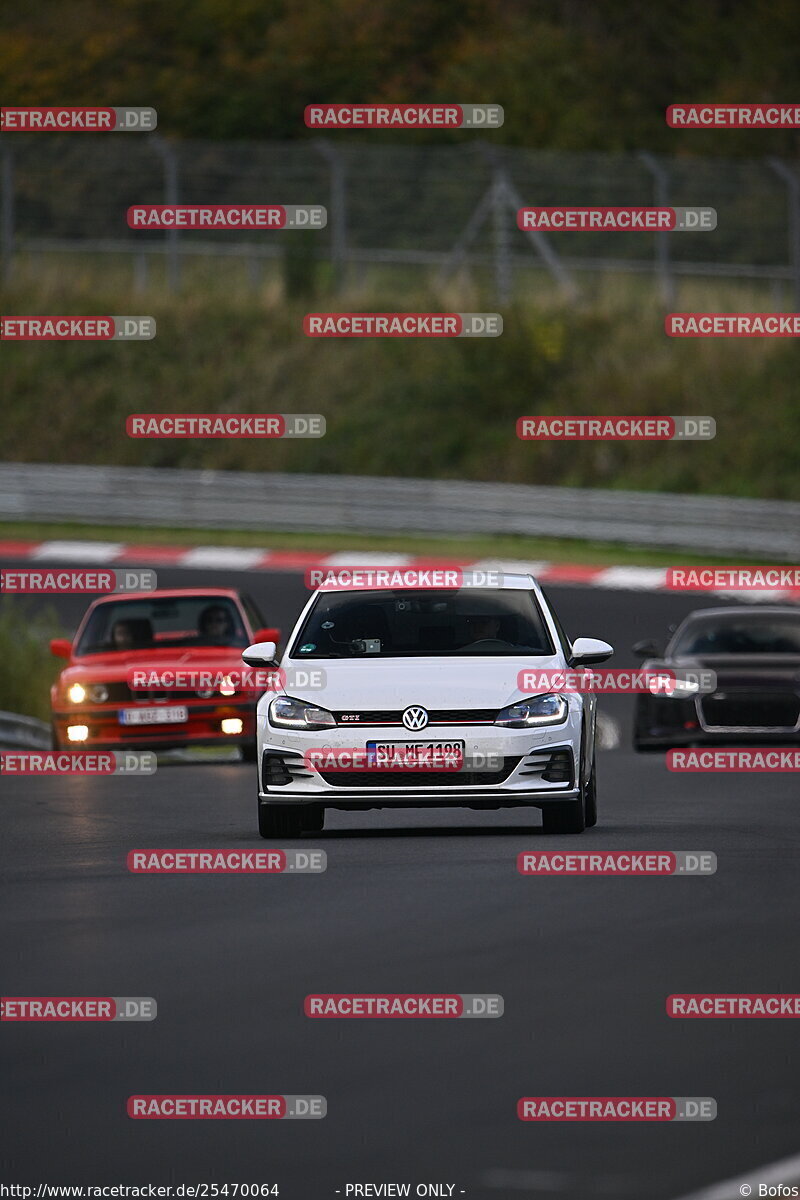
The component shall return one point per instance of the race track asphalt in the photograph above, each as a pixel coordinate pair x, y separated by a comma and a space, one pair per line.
412, 901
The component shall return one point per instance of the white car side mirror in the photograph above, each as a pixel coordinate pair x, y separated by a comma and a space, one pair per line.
261, 654
590, 650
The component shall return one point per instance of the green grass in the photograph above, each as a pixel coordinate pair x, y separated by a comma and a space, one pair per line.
27, 669
509, 546
440, 408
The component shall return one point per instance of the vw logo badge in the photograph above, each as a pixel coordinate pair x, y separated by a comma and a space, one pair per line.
415, 717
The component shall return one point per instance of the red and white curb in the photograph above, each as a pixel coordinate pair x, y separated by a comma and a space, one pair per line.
239, 558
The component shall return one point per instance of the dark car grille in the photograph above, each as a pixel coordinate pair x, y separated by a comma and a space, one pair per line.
436, 716
120, 693
418, 779
751, 710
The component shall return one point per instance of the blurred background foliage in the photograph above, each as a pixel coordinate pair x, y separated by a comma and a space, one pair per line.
571, 74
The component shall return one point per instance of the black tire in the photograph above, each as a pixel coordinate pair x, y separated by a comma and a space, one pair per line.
564, 816
313, 818
250, 751
279, 821
590, 799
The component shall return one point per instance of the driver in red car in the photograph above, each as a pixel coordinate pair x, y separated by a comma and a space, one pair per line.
215, 625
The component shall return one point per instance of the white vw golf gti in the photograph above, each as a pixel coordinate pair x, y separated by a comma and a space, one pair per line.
410, 697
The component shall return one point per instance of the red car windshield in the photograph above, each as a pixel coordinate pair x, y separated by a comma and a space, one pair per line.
179, 621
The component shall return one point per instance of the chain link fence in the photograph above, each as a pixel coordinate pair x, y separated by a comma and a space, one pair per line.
435, 210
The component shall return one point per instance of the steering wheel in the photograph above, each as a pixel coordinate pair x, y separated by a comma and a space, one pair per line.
495, 643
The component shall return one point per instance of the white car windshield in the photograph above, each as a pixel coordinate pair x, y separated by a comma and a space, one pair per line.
423, 624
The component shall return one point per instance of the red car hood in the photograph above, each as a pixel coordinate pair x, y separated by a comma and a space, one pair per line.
113, 666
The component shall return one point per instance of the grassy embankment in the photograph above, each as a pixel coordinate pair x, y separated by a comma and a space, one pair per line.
441, 408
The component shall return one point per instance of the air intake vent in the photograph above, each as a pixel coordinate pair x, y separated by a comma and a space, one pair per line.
550, 765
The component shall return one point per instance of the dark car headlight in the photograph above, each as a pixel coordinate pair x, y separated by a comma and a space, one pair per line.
536, 711
286, 713
674, 689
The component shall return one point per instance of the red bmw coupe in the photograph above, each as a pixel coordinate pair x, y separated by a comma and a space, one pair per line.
160, 670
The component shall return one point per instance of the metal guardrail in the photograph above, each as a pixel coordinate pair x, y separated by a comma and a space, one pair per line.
151, 497
23, 733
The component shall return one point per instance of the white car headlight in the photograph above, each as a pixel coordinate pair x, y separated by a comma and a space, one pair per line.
286, 713
98, 693
536, 711
76, 693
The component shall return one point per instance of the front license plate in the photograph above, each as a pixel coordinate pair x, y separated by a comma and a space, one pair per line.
420, 755
154, 716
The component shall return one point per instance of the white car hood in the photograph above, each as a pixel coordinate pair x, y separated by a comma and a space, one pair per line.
481, 681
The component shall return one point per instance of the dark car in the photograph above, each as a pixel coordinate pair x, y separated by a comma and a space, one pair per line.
754, 652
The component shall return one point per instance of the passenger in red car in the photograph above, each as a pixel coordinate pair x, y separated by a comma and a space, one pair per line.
122, 635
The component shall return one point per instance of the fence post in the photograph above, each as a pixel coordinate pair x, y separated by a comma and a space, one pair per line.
139, 271
170, 161
338, 216
662, 256
793, 188
7, 213
501, 215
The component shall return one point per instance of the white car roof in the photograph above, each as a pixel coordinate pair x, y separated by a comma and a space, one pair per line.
508, 581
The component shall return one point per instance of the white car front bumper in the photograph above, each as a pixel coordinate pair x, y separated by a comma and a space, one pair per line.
530, 757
